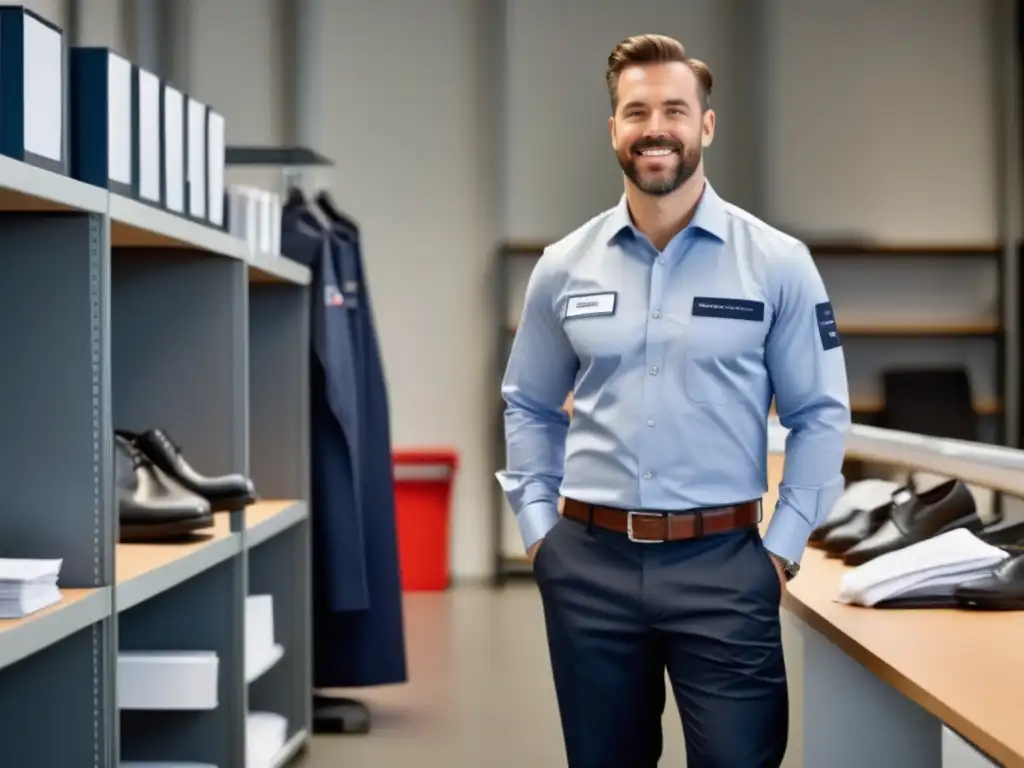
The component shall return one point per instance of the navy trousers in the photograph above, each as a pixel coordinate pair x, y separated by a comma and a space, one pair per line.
619, 613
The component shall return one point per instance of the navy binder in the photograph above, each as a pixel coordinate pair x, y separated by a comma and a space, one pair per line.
103, 120
33, 89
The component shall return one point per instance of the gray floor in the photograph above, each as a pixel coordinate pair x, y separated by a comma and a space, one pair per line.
480, 692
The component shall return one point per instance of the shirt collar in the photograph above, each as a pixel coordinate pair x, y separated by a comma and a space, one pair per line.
710, 216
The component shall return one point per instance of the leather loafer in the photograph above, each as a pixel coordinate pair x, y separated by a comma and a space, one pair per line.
224, 492
945, 507
1003, 590
863, 524
150, 505
1003, 534
858, 497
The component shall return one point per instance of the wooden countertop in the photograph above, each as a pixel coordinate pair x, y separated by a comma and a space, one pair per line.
966, 668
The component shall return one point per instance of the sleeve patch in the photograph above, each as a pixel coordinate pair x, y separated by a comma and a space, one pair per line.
827, 328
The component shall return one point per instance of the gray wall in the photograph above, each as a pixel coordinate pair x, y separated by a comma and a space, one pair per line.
457, 123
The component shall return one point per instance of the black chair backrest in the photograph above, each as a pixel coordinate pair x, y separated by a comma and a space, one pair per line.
930, 401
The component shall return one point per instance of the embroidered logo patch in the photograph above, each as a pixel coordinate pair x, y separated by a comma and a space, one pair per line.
827, 328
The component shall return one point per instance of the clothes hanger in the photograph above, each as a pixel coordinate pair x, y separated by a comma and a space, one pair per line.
324, 202
295, 198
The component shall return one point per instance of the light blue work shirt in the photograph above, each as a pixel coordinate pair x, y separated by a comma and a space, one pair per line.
673, 359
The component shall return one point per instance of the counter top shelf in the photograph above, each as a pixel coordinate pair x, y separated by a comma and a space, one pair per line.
78, 609
146, 570
266, 519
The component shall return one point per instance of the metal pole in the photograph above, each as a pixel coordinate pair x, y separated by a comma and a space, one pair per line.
308, 71
1008, 161
148, 48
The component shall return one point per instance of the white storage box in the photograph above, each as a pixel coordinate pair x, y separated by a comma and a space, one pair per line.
261, 652
265, 737
159, 680
259, 622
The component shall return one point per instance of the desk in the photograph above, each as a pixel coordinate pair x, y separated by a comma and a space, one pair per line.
893, 689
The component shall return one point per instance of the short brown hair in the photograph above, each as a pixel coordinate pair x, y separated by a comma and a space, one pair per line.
654, 49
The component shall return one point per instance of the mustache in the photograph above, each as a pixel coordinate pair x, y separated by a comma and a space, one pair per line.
661, 143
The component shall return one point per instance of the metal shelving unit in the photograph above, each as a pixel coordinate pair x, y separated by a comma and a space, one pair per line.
978, 336
121, 315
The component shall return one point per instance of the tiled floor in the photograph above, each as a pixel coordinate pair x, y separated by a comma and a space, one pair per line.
480, 692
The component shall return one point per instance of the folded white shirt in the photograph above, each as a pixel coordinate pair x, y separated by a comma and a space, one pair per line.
933, 566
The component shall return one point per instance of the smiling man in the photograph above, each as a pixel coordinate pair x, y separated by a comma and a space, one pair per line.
674, 318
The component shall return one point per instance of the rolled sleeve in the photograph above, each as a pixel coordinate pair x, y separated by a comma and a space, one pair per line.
540, 373
807, 367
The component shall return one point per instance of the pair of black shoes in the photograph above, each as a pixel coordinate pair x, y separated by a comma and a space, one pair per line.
161, 496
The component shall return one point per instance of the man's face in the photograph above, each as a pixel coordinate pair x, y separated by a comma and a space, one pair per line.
659, 130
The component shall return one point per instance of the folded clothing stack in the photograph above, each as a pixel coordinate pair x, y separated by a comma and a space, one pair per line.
925, 574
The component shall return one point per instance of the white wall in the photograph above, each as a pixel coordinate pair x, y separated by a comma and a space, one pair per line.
234, 60
101, 23
830, 116
406, 117
560, 167
52, 10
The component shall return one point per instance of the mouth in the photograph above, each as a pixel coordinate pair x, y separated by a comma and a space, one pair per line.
656, 152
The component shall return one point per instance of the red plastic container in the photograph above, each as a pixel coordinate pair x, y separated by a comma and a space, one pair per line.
423, 494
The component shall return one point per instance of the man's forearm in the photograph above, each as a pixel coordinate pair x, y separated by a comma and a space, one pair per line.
535, 446
812, 480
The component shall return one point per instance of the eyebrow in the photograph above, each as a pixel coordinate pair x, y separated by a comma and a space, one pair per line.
666, 103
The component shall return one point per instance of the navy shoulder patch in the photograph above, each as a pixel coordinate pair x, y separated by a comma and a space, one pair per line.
827, 328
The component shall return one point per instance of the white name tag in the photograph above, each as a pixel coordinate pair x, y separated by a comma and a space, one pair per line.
594, 304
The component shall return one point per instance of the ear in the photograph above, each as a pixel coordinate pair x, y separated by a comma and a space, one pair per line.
611, 128
707, 133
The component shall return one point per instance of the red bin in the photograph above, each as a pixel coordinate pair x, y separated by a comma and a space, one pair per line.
423, 494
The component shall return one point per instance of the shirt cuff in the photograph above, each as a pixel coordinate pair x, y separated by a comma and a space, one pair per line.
787, 534
535, 520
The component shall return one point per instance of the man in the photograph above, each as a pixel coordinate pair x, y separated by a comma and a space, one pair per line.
674, 318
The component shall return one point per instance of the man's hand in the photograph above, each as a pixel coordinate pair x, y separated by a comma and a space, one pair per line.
779, 571
531, 553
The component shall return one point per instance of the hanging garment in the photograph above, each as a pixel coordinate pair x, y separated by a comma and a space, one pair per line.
374, 639
339, 552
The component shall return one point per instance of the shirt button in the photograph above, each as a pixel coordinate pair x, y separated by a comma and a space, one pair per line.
647, 475
657, 314
650, 422
654, 370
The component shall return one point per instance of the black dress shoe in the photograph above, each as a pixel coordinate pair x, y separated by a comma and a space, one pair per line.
224, 492
945, 507
864, 523
1003, 534
857, 498
1001, 591
150, 505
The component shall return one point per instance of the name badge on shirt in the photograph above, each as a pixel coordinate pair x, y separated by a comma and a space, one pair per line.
591, 304
827, 328
731, 309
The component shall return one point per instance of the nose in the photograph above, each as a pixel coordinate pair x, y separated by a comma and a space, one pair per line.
655, 125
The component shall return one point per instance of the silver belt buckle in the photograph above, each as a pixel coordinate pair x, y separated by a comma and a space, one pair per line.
629, 526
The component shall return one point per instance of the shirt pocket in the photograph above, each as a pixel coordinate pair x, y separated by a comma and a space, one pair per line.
723, 360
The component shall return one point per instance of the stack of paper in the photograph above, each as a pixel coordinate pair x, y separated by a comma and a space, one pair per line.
933, 567
27, 586
265, 736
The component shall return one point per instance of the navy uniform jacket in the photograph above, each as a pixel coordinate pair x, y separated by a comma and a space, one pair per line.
338, 536
364, 644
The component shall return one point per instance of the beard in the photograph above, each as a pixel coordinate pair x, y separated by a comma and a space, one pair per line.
663, 182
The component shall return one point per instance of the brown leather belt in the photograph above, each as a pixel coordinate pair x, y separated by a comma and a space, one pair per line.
651, 527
